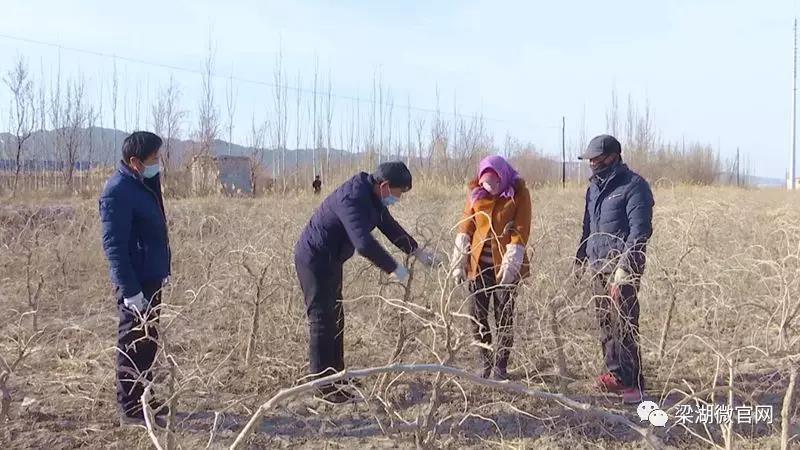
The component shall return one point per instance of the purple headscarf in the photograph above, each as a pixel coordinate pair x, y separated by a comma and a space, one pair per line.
508, 177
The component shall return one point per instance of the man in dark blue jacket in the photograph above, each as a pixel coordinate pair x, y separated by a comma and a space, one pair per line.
617, 224
340, 226
136, 245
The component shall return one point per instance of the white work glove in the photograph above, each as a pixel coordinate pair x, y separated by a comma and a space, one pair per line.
458, 261
400, 274
460, 252
459, 275
512, 263
137, 303
621, 276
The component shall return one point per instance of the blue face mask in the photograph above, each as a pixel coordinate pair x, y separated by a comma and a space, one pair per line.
151, 171
389, 201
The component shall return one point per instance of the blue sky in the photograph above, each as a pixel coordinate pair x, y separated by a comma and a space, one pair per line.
718, 72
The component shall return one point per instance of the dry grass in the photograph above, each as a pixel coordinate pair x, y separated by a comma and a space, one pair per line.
719, 309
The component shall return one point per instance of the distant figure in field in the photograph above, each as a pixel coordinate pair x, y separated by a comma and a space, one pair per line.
617, 223
339, 227
136, 244
317, 185
490, 252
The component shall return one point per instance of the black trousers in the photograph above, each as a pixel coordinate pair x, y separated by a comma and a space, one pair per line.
484, 289
322, 291
619, 330
137, 345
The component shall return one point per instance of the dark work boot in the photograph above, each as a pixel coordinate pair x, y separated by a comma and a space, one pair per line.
159, 408
331, 393
500, 373
136, 418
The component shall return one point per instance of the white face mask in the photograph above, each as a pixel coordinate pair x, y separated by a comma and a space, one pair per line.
151, 170
488, 187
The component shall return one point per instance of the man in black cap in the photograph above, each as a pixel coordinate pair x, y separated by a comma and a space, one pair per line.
617, 224
340, 226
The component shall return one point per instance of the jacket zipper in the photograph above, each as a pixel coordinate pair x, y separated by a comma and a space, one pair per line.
163, 216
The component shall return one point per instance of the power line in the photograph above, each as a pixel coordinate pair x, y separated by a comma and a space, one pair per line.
258, 82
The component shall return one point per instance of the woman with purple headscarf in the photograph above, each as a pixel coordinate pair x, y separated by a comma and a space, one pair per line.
490, 253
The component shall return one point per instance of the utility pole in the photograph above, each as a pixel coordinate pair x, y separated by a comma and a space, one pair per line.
792, 174
563, 154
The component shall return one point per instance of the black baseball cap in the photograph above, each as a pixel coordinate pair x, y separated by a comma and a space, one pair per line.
395, 173
604, 144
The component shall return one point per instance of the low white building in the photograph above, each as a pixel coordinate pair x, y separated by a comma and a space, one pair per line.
223, 174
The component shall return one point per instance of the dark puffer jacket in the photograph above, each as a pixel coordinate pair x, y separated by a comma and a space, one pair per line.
135, 238
617, 222
342, 225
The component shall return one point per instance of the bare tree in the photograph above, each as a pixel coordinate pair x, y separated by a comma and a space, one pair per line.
630, 122
389, 111
440, 140
158, 116
23, 112
583, 141
125, 104
114, 101
420, 130
612, 114
42, 140
57, 121
281, 122
208, 117
167, 120
74, 117
328, 122
68, 118
357, 143
381, 117
256, 144
174, 120
409, 146
315, 138
98, 120
298, 110
91, 121
230, 102
138, 106
474, 140
371, 126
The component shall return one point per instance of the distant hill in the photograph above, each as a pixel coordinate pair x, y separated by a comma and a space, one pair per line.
101, 146
766, 182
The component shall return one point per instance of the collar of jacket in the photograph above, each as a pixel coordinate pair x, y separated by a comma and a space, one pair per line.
128, 172
152, 184
618, 168
376, 198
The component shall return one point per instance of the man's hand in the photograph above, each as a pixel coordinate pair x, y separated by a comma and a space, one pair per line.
400, 274
427, 257
137, 303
